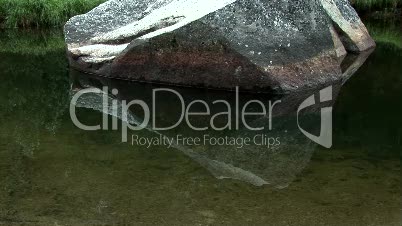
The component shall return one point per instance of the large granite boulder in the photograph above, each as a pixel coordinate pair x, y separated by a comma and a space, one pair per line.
259, 45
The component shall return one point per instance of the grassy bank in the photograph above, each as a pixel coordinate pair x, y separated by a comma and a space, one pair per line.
54, 13
41, 13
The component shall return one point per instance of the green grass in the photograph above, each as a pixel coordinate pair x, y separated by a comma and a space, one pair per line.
54, 13
42, 13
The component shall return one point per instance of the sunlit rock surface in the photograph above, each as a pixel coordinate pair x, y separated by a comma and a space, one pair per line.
260, 46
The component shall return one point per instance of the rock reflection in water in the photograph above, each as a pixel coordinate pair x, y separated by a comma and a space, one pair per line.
257, 164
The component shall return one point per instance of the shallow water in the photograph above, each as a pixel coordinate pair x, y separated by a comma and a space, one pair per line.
52, 173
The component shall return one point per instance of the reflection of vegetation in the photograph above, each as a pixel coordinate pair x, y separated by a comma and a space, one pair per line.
42, 13
386, 33
373, 94
33, 43
381, 4
33, 91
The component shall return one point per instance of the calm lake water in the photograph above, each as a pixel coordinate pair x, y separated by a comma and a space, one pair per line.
52, 173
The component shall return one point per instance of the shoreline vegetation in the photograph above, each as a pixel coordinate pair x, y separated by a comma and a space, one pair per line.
39, 22
28, 14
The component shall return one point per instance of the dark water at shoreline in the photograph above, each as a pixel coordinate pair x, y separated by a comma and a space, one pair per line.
52, 173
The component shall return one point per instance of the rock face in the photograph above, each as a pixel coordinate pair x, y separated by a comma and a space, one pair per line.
259, 45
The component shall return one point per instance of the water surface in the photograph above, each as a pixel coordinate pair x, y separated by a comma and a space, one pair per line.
52, 173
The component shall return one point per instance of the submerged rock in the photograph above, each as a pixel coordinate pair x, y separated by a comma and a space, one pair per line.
261, 46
